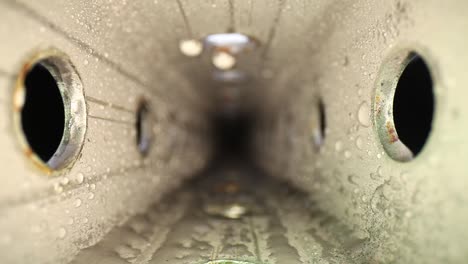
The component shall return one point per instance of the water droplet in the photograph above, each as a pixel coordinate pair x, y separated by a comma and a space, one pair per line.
404, 176
191, 47
338, 146
359, 142
79, 178
353, 179
389, 213
378, 174
65, 181
364, 114
77, 202
58, 188
380, 171
347, 154
62, 232
91, 196
374, 176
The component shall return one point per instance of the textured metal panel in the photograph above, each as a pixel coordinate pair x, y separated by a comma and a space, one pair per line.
355, 204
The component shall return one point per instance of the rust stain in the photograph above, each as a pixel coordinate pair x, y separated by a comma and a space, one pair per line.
230, 187
391, 132
225, 49
17, 105
26, 68
29, 153
378, 104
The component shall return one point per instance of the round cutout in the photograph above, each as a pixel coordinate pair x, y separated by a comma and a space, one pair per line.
404, 105
144, 128
50, 111
318, 124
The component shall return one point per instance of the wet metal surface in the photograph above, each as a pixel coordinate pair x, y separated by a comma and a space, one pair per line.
356, 203
231, 214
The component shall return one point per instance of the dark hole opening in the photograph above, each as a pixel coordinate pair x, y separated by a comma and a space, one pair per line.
143, 129
232, 136
323, 122
413, 105
43, 114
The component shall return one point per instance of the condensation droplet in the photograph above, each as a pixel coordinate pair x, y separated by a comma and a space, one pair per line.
380, 171
62, 232
65, 180
347, 154
404, 176
374, 176
338, 146
364, 114
77, 202
58, 188
359, 142
79, 178
388, 213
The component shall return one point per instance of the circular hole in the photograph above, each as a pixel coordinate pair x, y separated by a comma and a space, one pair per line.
323, 122
43, 114
413, 104
319, 125
50, 111
404, 106
143, 128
